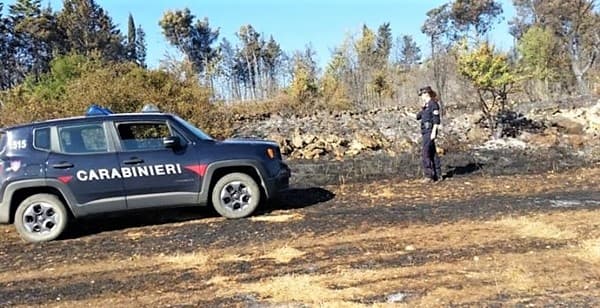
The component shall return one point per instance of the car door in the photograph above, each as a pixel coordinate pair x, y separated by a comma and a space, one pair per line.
84, 159
156, 174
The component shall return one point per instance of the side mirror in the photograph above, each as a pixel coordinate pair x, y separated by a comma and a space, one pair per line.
172, 142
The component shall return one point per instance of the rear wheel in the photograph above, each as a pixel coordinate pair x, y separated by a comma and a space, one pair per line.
235, 195
40, 218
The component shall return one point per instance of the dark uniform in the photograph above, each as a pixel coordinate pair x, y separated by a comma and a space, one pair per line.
430, 116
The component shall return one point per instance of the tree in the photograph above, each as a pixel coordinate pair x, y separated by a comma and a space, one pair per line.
7, 58
409, 53
383, 44
271, 57
194, 40
453, 22
140, 46
334, 83
538, 48
437, 27
88, 29
575, 25
304, 76
249, 56
33, 36
477, 15
492, 76
131, 40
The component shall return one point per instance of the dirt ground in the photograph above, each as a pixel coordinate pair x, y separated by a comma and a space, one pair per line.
483, 240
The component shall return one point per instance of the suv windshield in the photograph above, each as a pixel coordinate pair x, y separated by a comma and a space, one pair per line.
195, 130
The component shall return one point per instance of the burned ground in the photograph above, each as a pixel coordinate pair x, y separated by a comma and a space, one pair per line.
483, 237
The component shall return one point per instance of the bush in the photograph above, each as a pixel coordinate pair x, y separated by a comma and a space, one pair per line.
75, 82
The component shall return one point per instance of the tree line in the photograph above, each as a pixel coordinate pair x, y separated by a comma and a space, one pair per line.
31, 36
555, 53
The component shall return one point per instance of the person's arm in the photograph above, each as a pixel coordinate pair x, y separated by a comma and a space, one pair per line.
435, 119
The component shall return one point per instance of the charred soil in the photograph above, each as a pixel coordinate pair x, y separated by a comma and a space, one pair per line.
478, 238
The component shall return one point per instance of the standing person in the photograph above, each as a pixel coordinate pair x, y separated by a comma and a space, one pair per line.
430, 123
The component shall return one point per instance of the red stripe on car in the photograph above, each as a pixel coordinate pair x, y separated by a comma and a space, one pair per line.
198, 169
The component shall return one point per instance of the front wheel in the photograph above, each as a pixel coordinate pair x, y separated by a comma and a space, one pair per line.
41, 218
235, 195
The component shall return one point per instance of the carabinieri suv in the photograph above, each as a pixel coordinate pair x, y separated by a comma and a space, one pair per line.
54, 171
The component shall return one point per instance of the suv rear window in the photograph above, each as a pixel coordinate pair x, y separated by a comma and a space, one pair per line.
83, 139
41, 139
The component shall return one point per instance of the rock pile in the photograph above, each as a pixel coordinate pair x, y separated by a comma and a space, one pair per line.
393, 131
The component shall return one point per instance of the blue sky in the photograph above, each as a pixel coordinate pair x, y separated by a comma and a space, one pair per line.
324, 24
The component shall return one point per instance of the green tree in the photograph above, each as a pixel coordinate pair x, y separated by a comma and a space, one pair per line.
194, 40
131, 39
538, 49
88, 29
575, 24
477, 15
383, 44
140, 46
272, 60
34, 35
492, 76
304, 86
249, 55
7, 58
334, 83
409, 53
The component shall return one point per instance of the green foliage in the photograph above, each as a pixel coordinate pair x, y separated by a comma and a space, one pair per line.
575, 27
537, 48
409, 51
52, 86
366, 49
194, 40
383, 44
476, 14
486, 69
491, 75
333, 89
75, 82
88, 29
304, 85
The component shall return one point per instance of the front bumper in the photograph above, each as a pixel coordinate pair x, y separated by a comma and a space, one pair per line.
279, 182
4, 212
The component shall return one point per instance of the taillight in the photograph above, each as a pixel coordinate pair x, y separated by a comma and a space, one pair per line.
271, 153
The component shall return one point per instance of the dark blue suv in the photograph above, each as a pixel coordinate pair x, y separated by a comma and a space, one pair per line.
57, 170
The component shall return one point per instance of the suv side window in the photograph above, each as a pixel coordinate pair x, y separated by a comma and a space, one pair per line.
41, 139
89, 138
2, 141
143, 135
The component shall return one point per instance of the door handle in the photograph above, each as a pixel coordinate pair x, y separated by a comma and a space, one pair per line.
63, 165
133, 161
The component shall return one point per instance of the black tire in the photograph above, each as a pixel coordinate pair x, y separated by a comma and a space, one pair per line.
235, 195
41, 218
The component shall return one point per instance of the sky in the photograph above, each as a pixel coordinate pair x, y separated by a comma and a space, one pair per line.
294, 24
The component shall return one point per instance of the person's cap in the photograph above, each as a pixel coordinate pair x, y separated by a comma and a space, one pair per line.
424, 90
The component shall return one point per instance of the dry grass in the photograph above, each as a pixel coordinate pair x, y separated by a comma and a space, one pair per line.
527, 227
465, 189
196, 260
284, 254
589, 251
278, 218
